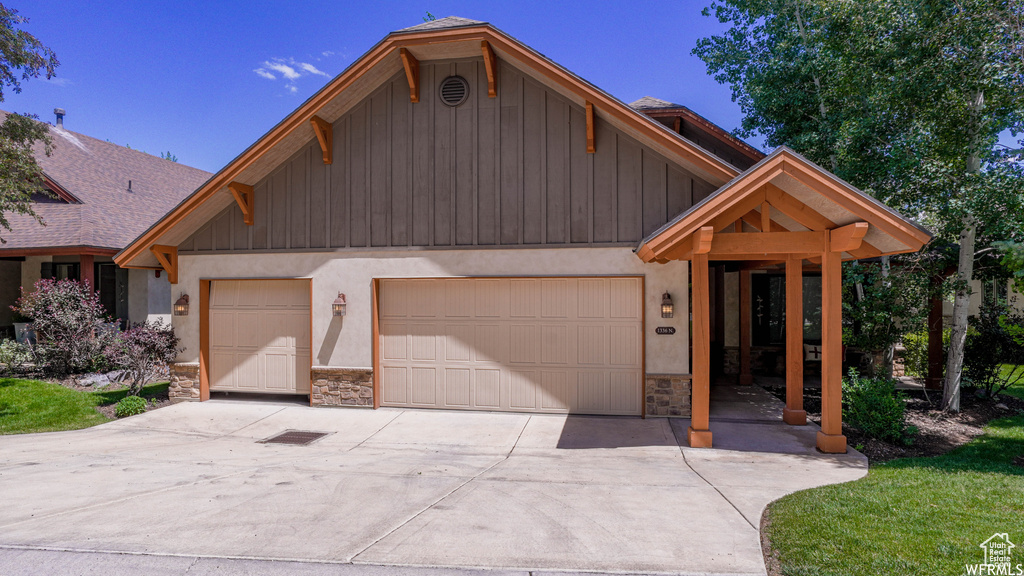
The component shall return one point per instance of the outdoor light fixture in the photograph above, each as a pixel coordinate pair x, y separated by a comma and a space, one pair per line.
181, 306
667, 309
338, 306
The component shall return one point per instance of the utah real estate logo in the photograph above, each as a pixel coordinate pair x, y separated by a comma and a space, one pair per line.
998, 558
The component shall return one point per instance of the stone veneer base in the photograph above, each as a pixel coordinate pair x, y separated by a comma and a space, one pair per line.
184, 382
335, 386
667, 395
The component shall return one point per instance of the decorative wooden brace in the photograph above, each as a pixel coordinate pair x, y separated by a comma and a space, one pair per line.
325, 136
849, 237
244, 195
412, 73
491, 64
167, 256
591, 144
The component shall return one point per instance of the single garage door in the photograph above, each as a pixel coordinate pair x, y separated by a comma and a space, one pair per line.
259, 336
513, 344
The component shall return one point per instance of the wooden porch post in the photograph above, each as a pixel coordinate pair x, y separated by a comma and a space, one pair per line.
794, 413
935, 361
699, 434
87, 270
746, 378
830, 437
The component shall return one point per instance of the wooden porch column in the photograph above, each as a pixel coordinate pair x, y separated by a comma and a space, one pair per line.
794, 413
87, 270
746, 378
935, 362
830, 437
699, 434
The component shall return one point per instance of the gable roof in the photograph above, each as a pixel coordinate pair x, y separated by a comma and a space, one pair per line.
96, 209
451, 39
658, 108
801, 196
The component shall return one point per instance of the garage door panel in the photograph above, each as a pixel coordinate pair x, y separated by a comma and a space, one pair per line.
519, 344
456, 387
393, 299
487, 388
259, 336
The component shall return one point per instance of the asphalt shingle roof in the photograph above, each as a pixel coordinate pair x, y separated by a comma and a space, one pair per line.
448, 22
651, 103
97, 173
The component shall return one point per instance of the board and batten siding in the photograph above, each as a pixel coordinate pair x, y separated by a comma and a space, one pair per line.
505, 171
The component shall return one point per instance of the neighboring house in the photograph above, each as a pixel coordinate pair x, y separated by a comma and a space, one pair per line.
104, 195
458, 222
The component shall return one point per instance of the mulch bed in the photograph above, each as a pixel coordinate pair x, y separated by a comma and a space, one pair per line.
938, 431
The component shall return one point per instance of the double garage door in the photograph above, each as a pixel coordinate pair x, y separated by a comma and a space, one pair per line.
259, 336
561, 345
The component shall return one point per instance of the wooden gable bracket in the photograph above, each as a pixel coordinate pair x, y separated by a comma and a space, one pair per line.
847, 238
591, 144
412, 73
491, 64
702, 240
167, 256
325, 136
245, 197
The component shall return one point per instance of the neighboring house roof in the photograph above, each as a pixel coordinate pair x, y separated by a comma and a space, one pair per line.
440, 39
96, 210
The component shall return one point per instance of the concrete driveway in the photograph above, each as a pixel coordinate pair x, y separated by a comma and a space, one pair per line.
411, 488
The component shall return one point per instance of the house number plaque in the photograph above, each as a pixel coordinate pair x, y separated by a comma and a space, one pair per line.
664, 330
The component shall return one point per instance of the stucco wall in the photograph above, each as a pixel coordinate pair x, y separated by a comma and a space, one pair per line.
347, 342
149, 297
31, 270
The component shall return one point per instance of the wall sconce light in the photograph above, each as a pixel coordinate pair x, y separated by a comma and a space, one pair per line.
339, 305
667, 309
181, 306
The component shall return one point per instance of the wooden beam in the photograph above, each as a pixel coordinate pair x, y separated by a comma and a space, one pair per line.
746, 378
325, 136
491, 64
204, 340
167, 256
698, 435
412, 73
677, 125
794, 413
246, 199
739, 225
702, 240
591, 144
809, 218
736, 211
87, 271
848, 237
830, 437
765, 243
754, 219
766, 217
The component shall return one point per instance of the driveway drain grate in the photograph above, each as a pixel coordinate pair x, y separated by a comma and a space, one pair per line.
294, 437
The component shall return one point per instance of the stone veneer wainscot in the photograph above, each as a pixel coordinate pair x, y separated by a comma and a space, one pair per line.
184, 382
667, 395
334, 386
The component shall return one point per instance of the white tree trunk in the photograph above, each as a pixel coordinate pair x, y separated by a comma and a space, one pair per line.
961, 308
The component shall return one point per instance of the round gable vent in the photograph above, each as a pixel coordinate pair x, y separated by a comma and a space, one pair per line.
454, 90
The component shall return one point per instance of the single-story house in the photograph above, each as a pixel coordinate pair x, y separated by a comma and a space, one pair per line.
457, 222
100, 197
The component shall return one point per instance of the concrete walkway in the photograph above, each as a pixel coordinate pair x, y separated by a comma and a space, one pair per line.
392, 488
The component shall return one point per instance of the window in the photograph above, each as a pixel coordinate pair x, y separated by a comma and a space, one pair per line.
768, 309
995, 292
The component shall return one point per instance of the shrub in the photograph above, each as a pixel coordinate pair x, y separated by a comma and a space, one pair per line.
873, 406
66, 316
916, 359
141, 351
994, 339
13, 356
130, 406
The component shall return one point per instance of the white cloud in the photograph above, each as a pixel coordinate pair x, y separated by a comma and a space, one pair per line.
327, 53
288, 69
265, 74
281, 68
311, 69
62, 82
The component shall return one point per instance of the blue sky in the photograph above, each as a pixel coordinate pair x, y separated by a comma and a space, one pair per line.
183, 76
204, 80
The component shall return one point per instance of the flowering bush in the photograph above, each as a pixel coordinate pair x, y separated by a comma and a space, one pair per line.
66, 316
141, 351
13, 356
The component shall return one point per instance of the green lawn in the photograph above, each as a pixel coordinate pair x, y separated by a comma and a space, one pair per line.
1016, 389
33, 406
909, 516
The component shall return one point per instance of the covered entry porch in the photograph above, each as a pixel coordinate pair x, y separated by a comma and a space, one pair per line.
784, 210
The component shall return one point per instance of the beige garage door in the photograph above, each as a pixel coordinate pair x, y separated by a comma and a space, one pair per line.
259, 336
513, 344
